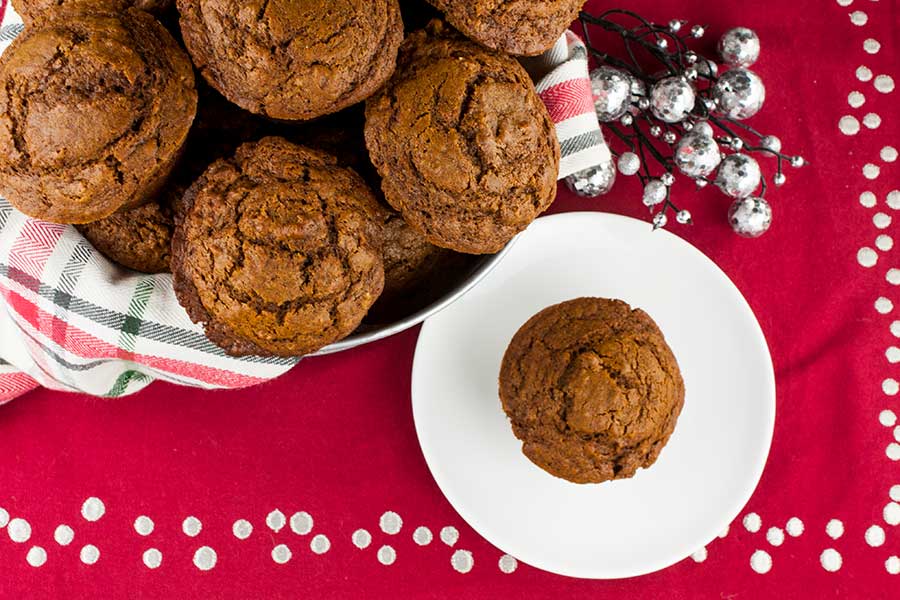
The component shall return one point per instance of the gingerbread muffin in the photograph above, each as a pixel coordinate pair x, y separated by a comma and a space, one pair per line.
293, 60
95, 106
521, 27
592, 389
277, 250
466, 150
34, 10
138, 238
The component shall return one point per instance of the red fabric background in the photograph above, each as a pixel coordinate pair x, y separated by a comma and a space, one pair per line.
335, 436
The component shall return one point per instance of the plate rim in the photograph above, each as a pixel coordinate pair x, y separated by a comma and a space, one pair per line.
751, 482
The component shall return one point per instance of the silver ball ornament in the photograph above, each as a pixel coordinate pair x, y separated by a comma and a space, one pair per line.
659, 220
707, 68
662, 43
593, 181
683, 217
697, 155
629, 163
668, 179
672, 99
627, 119
737, 144
690, 57
770, 142
697, 31
643, 103
739, 93
669, 137
654, 192
655, 130
739, 47
675, 25
611, 89
779, 178
750, 217
701, 183
703, 128
797, 161
739, 175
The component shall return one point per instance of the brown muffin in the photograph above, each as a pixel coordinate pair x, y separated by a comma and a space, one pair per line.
277, 250
94, 109
137, 238
592, 389
465, 148
33, 10
521, 27
293, 60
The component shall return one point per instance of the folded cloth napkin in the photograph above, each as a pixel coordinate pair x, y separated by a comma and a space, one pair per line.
72, 320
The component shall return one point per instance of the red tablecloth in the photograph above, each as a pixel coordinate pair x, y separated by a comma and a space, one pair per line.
335, 436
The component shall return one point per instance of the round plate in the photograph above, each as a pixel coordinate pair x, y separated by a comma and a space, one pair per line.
704, 475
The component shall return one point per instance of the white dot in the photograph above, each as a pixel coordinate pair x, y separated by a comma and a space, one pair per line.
700, 555
36, 556
859, 18
868, 199
390, 523
897, 433
794, 527
864, 73
191, 526
63, 535
890, 386
275, 520
881, 220
301, 523
871, 171
875, 536
242, 529
849, 125
724, 532
89, 554
866, 257
93, 509
4, 518
884, 84
761, 562
893, 451
205, 558
361, 538
872, 46
462, 561
143, 525
449, 535
831, 560
893, 277
152, 558
891, 513
895, 493
893, 199
845, 2
889, 154
892, 565
883, 305
507, 564
320, 544
887, 417
884, 242
872, 120
855, 100
387, 555
834, 529
895, 328
281, 554
775, 536
19, 530
422, 536
752, 522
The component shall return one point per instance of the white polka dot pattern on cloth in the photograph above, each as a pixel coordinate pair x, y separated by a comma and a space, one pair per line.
301, 523
752, 522
700, 555
872, 121
422, 536
387, 555
281, 554
143, 525
871, 171
36, 556
152, 558
887, 417
320, 544
849, 125
872, 46
831, 560
462, 561
19, 530
275, 520
884, 84
242, 529
724, 532
881, 220
93, 509
893, 199
894, 493
888, 154
895, 329
892, 565
775, 536
205, 558
891, 513
864, 73
4, 518
191, 526
761, 562
834, 529
890, 386
507, 564
868, 199
884, 305
884, 242
893, 451
449, 535
893, 277
63, 535
859, 18
89, 554
855, 100
794, 527
361, 538
867, 257
875, 536
390, 523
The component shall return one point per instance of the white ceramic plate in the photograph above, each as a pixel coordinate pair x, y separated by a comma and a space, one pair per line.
712, 462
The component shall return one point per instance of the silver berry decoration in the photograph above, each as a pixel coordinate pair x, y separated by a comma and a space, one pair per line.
611, 89
655, 130
690, 57
629, 163
739, 93
659, 220
669, 137
593, 181
697, 155
707, 68
643, 103
683, 217
739, 175
739, 47
797, 161
697, 31
662, 43
627, 119
750, 217
737, 144
687, 125
668, 179
654, 192
672, 99
770, 142
779, 178
702, 183
675, 25
691, 73
703, 128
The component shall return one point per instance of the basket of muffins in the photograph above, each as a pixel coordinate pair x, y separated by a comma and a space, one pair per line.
309, 172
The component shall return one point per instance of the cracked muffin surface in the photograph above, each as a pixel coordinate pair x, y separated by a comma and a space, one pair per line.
591, 389
277, 250
465, 148
35, 10
293, 60
138, 238
94, 109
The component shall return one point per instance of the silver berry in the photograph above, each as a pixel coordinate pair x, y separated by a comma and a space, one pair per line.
672, 99
643, 103
739, 93
668, 179
611, 89
750, 217
770, 142
669, 137
662, 43
697, 155
626, 120
739, 47
797, 162
737, 144
655, 130
703, 128
779, 178
683, 217
675, 25
629, 163
660, 220
690, 57
702, 183
593, 181
697, 31
654, 192
739, 175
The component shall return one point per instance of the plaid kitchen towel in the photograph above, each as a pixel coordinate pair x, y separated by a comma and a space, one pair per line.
72, 320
